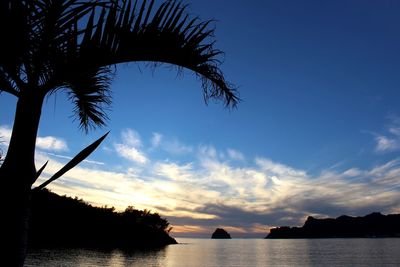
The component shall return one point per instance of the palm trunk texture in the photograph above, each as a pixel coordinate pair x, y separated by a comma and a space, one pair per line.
16, 176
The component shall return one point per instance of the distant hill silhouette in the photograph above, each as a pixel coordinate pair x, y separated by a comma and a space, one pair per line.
372, 225
60, 221
220, 233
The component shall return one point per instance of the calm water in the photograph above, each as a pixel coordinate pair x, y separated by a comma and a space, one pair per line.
235, 252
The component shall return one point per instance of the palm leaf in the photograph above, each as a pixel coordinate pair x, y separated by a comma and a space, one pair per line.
52, 51
91, 95
167, 38
15, 32
74, 161
39, 172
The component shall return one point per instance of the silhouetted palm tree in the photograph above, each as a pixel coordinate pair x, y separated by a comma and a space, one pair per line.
73, 45
1, 155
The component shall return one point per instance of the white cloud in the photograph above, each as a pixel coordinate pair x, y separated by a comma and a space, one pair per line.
51, 143
170, 145
395, 130
69, 158
207, 152
156, 139
131, 138
353, 172
264, 194
131, 153
211, 190
242, 198
5, 134
390, 141
174, 171
278, 169
129, 148
235, 155
176, 147
384, 144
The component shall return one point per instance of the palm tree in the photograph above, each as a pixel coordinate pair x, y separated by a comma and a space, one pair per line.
1, 156
72, 45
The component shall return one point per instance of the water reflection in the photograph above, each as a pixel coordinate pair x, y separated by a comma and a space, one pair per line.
96, 257
235, 253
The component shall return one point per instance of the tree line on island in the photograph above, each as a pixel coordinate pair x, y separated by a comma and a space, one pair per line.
61, 221
369, 226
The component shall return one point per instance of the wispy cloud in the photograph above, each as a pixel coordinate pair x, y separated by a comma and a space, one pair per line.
156, 140
131, 137
131, 153
174, 146
5, 134
69, 158
130, 147
390, 141
49, 143
213, 191
171, 145
384, 144
207, 152
235, 155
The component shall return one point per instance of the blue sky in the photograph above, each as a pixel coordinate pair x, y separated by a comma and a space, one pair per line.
317, 133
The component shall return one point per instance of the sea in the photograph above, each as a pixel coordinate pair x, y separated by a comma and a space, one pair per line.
233, 253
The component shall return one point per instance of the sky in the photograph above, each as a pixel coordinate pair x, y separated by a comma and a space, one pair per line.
317, 132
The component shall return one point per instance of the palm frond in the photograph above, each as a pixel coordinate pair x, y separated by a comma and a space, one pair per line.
46, 48
73, 162
1, 154
168, 36
90, 93
32, 38
53, 33
39, 172
6, 83
15, 31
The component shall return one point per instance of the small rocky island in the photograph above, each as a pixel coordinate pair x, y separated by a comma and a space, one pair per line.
372, 225
220, 233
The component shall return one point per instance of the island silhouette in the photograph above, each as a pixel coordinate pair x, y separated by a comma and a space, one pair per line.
220, 233
61, 221
371, 225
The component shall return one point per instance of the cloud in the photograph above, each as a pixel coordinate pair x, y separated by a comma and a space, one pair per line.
235, 155
174, 146
207, 152
156, 139
131, 137
212, 191
205, 196
278, 169
129, 148
69, 158
51, 143
391, 140
174, 171
353, 172
171, 145
130, 153
384, 144
5, 134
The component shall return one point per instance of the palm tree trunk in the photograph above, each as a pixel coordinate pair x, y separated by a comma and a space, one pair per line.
16, 176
